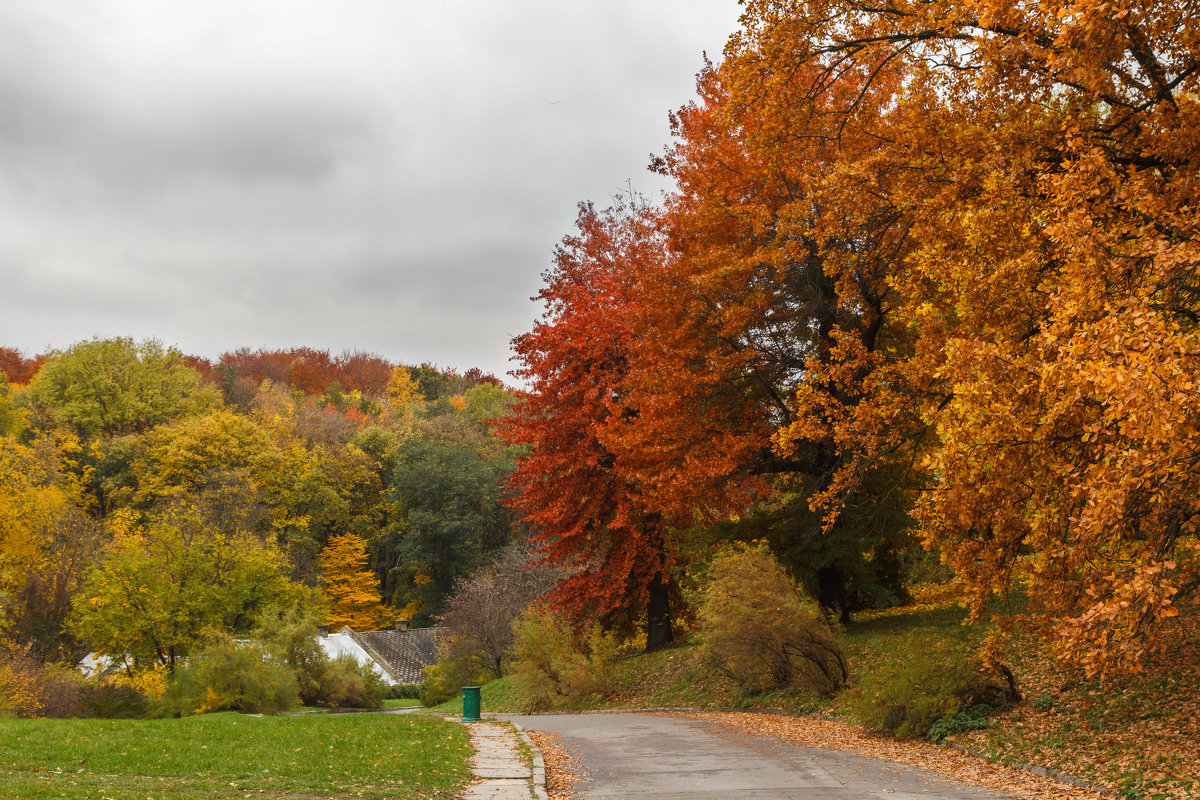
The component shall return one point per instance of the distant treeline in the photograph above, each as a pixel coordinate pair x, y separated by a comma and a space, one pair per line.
305, 369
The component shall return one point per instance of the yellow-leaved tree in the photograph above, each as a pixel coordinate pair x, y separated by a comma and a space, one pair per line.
351, 588
402, 390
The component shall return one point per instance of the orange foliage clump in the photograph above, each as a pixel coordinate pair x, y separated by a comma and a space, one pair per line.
947, 249
350, 588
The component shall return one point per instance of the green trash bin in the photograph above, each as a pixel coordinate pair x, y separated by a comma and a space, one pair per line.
470, 704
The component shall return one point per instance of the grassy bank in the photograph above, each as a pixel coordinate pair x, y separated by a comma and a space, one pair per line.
1139, 735
232, 755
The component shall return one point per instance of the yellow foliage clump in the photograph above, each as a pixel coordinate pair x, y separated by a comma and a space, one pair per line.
351, 589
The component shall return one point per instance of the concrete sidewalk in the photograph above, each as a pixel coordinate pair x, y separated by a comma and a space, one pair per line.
502, 770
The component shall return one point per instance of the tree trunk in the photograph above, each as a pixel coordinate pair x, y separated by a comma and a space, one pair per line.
658, 615
831, 593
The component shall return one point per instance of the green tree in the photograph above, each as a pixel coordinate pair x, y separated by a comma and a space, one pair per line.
450, 495
108, 387
487, 401
159, 590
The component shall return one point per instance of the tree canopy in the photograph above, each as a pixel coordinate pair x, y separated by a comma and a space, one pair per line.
927, 267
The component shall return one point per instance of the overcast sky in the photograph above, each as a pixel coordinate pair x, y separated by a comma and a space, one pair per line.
382, 175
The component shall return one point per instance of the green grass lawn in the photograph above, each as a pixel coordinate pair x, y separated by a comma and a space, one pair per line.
231, 755
405, 703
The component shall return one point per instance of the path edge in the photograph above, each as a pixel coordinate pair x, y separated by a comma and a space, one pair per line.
538, 781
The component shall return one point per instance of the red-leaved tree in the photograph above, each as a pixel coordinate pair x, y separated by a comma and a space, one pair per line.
585, 514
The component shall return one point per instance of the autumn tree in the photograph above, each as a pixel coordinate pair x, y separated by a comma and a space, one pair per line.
159, 589
47, 543
16, 367
1038, 164
768, 277
586, 515
351, 589
402, 390
109, 387
480, 611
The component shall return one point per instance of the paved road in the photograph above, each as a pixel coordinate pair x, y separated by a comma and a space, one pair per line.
666, 757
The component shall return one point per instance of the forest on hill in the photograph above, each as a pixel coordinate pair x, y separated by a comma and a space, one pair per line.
149, 498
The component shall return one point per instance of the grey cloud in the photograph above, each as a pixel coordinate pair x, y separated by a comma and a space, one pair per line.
381, 175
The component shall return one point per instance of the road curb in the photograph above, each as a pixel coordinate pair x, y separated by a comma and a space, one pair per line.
540, 792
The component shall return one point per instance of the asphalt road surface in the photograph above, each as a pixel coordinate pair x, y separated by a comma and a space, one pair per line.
665, 757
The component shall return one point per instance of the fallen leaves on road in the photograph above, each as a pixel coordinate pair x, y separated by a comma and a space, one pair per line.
951, 764
562, 770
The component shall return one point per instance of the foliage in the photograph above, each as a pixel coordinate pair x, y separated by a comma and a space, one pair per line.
448, 488
230, 676
289, 635
586, 514
762, 630
305, 369
159, 589
123, 694
109, 387
909, 696
47, 543
552, 663
971, 718
477, 624
402, 390
204, 452
444, 679
403, 691
113, 701
16, 369
12, 419
940, 260
29, 688
318, 756
1041, 283
487, 402
351, 590
347, 684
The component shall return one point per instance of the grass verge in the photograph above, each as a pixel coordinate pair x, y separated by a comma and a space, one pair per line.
230, 755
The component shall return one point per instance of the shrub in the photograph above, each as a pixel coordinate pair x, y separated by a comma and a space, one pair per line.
403, 691
231, 676
909, 696
447, 678
971, 718
347, 684
29, 688
759, 628
291, 636
109, 700
553, 665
